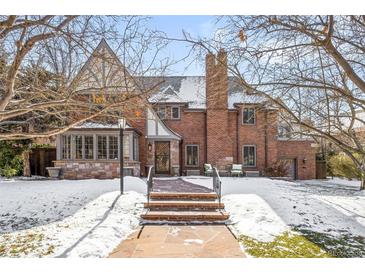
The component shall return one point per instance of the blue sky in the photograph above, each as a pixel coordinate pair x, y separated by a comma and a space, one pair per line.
173, 26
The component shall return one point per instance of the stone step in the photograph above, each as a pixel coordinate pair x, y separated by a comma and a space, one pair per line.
183, 196
189, 205
185, 216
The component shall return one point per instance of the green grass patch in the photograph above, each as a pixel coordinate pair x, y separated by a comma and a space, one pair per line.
22, 245
287, 245
343, 246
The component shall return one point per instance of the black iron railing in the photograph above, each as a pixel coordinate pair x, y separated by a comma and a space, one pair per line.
149, 182
217, 184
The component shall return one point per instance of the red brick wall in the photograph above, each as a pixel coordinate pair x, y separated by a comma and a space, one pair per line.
255, 135
219, 141
300, 150
191, 127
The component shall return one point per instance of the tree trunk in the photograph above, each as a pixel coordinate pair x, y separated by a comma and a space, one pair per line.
26, 163
362, 186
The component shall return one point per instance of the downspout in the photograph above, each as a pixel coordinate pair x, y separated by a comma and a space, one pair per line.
266, 141
206, 136
237, 136
181, 159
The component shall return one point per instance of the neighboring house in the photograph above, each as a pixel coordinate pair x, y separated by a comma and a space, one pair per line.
190, 121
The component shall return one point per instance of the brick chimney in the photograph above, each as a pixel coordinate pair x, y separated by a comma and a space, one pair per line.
219, 143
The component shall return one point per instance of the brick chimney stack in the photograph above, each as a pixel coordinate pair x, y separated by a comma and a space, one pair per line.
219, 143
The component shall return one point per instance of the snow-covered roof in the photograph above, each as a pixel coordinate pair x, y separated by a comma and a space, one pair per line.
99, 125
191, 90
240, 97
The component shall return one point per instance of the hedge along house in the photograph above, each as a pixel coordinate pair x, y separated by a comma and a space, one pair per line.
189, 121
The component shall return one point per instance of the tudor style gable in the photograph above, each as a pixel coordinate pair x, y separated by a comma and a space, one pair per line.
103, 73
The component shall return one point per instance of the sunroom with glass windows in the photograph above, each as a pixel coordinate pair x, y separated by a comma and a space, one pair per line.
95, 148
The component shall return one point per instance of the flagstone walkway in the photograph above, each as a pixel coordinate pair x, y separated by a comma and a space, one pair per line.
177, 185
179, 241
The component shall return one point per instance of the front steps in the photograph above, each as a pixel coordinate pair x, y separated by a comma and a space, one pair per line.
184, 207
183, 196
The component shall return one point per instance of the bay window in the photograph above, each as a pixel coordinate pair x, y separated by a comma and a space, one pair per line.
97, 146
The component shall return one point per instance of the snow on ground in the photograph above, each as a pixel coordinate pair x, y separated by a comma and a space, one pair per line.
254, 217
25, 204
98, 218
263, 208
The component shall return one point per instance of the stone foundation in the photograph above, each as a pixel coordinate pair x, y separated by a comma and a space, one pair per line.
95, 169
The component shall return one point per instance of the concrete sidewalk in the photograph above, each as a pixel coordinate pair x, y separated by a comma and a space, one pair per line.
179, 241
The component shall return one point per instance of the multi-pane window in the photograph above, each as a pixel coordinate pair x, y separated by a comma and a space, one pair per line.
161, 112
88, 147
113, 147
102, 146
66, 146
126, 146
78, 146
135, 148
175, 113
192, 155
249, 156
248, 116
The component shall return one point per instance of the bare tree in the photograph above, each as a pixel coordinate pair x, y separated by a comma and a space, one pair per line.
312, 67
40, 56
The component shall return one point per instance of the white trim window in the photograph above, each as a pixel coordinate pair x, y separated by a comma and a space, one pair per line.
175, 113
79, 144
102, 147
192, 155
88, 147
248, 116
161, 112
113, 147
249, 155
66, 146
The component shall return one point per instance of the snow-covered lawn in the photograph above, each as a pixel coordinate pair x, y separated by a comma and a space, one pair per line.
329, 213
272, 218
85, 218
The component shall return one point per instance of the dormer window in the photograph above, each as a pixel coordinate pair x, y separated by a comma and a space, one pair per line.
248, 116
175, 113
161, 112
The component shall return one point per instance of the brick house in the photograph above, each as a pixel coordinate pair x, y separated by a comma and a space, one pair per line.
189, 121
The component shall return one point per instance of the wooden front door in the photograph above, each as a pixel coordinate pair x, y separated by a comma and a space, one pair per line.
162, 157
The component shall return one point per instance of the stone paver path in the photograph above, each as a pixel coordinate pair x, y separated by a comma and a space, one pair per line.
180, 241
177, 185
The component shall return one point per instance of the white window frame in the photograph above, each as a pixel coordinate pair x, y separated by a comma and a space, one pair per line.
179, 113
186, 155
106, 147
243, 155
159, 112
254, 116
83, 146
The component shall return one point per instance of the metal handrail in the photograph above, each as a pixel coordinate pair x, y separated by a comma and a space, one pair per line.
149, 182
217, 184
